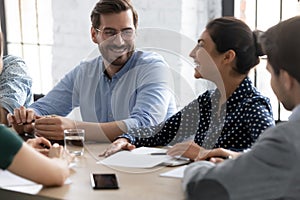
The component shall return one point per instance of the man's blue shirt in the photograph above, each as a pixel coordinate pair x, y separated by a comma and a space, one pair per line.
138, 94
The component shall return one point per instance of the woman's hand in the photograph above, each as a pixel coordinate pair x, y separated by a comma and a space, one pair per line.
57, 151
187, 149
40, 144
118, 145
218, 155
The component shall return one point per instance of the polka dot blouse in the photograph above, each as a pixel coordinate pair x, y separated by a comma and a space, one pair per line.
234, 125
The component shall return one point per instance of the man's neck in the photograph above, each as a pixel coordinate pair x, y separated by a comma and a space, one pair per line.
111, 70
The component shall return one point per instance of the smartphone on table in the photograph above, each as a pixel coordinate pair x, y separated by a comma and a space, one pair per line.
104, 181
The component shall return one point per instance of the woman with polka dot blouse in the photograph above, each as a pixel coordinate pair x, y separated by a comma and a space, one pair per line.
232, 116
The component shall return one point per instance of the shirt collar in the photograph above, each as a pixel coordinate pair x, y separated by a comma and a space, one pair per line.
124, 69
295, 116
241, 91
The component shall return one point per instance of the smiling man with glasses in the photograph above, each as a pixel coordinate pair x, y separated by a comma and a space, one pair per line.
121, 89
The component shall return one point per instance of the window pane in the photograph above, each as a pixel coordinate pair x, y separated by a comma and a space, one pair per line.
28, 21
268, 14
31, 38
12, 21
45, 22
290, 8
46, 72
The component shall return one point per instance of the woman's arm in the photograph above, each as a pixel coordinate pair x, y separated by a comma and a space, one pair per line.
34, 166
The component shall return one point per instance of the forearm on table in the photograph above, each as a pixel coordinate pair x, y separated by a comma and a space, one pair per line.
102, 132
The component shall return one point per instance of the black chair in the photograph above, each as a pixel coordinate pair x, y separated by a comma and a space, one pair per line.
37, 96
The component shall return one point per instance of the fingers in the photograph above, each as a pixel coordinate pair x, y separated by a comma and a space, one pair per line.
39, 143
113, 148
44, 142
23, 115
216, 160
51, 135
52, 127
43, 151
178, 149
118, 145
56, 151
175, 151
187, 149
10, 118
130, 146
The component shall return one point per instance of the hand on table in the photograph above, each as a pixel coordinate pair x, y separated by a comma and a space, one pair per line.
195, 152
52, 127
57, 151
218, 155
117, 145
187, 149
40, 144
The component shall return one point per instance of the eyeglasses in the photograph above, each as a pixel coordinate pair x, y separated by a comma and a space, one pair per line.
127, 34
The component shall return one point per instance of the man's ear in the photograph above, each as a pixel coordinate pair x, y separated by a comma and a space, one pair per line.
94, 35
229, 56
287, 80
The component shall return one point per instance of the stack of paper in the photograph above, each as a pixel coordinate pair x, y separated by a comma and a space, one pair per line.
137, 158
143, 158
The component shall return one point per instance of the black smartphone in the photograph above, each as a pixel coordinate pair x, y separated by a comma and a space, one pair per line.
104, 181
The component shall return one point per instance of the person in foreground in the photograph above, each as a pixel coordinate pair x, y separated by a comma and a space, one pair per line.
271, 169
15, 84
231, 116
21, 159
119, 90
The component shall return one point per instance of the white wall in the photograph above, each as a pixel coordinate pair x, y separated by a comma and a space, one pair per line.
170, 27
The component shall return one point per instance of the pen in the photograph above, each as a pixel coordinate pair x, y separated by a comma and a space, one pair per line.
158, 154
223, 157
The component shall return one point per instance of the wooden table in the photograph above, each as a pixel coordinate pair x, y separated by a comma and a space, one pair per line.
133, 183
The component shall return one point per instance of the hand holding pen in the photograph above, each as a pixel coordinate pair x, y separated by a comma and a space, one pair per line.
40, 144
22, 119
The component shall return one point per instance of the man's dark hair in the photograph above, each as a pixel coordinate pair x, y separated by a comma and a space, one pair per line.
112, 6
281, 44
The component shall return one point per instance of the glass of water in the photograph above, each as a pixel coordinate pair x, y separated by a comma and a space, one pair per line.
74, 141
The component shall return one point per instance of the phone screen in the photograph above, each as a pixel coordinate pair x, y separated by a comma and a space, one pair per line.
104, 181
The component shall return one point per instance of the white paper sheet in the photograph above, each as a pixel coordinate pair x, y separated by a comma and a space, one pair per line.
137, 158
13, 182
175, 173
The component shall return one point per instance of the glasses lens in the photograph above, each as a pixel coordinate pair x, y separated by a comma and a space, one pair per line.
128, 34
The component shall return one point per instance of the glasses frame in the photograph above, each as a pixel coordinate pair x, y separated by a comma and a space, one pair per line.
117, 33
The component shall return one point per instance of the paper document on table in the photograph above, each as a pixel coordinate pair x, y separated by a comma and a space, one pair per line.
137, 158
13, 182
10, 181
175, 173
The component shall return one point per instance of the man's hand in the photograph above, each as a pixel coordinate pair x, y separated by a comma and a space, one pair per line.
118, 145
52, 127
